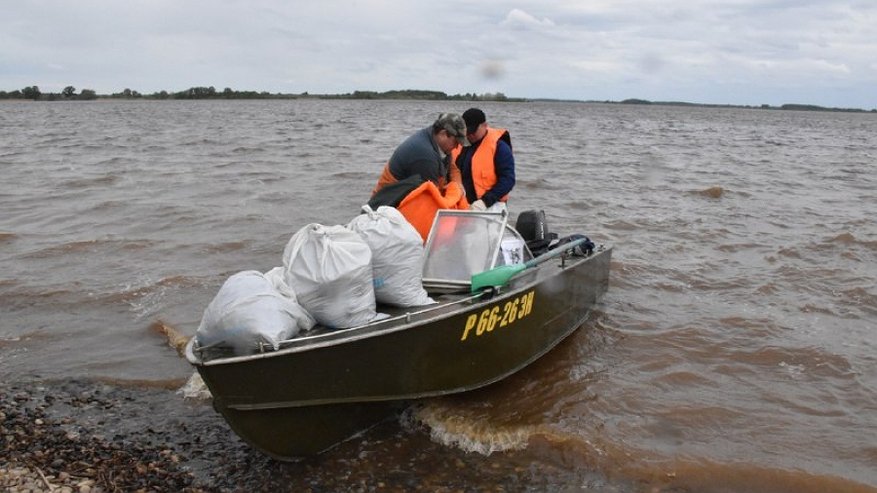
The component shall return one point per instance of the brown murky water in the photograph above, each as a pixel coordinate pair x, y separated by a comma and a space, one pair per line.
735, 350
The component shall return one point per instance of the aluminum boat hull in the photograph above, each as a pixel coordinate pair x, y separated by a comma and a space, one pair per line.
321, 389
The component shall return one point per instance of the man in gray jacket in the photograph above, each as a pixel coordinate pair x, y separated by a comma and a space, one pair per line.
426, 154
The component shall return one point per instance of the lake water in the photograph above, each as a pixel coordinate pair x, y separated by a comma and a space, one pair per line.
736, 349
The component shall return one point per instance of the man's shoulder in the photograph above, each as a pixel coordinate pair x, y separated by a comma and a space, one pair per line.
417, 148
504, 154
417, 140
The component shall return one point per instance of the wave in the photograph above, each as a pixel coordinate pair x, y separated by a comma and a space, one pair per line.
246, 150
538, 185
131, 294
705, 476
848, 239
87, 246
195, 388
712, 192
143, 299
708, 477
10, 340
577, 205
737, 247
204, 141
175, 338
811, 308
229, 246
113, 160
813, 360
621, 462
621, 225
746, 323
860, 297
23, 297
450, 429
108, 205
354, 175
789, 252
768, 289
100, 181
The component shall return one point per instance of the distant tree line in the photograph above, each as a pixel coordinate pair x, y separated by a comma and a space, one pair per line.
69, 94
790, 107
422, 95
34, 93
200, 93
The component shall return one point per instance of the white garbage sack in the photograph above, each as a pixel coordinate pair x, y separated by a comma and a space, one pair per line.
329, 268
277, 279
397, 256
248, 311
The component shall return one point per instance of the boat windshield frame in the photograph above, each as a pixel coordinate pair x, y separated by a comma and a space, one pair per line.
461, 243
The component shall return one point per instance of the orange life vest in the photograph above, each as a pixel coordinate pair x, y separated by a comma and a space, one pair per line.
483, 170
387, 177
421, 205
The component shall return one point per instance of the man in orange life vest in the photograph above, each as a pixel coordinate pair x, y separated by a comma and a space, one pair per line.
426, 154
487, 166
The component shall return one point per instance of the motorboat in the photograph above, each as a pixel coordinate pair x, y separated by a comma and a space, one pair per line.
497, 309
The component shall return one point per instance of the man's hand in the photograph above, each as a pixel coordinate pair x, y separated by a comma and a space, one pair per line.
478, 205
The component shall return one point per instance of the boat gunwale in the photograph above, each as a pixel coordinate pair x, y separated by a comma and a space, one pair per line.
354, 334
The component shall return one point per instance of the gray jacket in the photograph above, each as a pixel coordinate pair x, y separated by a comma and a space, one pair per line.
419, 155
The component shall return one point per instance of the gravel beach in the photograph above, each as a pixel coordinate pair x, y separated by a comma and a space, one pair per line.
92, 436
89, 436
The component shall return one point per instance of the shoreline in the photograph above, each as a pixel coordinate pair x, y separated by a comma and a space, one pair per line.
328, 97
90, 436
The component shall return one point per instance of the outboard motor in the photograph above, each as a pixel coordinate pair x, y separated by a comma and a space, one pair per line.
532, 226
534, 229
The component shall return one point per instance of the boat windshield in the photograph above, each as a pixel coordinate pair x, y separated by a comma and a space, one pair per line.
463, 243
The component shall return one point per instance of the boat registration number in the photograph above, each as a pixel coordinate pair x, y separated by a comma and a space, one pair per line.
498, 316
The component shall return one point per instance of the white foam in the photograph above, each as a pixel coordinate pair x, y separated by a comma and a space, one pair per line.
195, 388
451, 429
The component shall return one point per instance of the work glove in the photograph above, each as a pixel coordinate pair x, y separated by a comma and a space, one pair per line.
478, 205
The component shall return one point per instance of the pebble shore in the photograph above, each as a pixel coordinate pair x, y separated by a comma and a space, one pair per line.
54, 439
83, 436
91, 437
24, 480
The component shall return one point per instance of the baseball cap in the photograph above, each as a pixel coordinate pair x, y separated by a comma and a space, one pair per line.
473, 117
455, 126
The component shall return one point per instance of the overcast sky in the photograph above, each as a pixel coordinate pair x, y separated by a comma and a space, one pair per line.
750, 52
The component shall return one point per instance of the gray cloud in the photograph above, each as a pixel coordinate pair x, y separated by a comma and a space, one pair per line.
720, 51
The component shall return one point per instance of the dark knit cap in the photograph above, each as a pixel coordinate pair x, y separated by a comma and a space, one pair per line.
473, 117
